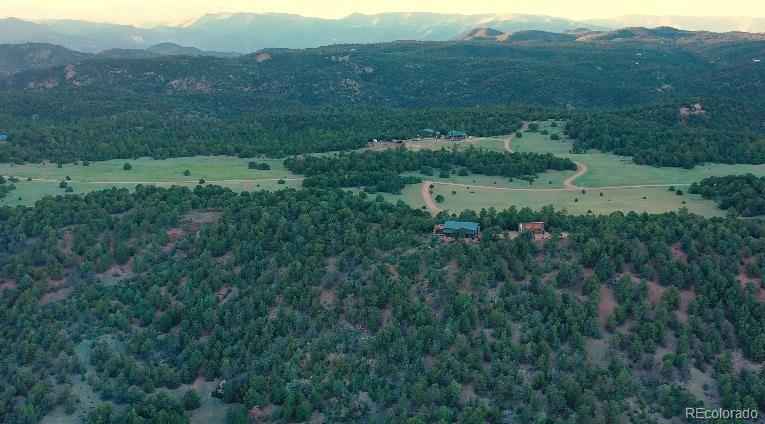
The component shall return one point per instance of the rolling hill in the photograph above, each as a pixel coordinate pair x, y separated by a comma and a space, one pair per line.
16, 58
553, 73
20, 57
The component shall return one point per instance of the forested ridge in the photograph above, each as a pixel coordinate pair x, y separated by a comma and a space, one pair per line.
381, 171
621, 97
745, 194
671, 134
311, 303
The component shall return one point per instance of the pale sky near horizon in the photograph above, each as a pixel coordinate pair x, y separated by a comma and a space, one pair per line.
176, 11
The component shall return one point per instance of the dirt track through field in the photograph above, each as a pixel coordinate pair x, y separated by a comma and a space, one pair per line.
559, 189
581, 169
506, 142
173, 182
431, 205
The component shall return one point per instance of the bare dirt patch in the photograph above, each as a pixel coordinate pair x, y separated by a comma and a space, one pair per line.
678, 253
204, 216
66, 242
386, 315
8, 285
327, 297
54, 296
606, 303
597, 349
263, 57
740, 363
686, 297
655, 292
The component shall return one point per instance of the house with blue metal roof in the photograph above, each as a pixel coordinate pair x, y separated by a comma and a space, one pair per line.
3, 138
453, 228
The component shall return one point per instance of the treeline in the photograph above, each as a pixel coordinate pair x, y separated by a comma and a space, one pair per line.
274, 133
380, 170
743, 193
723, 131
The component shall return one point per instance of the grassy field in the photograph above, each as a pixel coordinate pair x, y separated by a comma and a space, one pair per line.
606, 173
226, 171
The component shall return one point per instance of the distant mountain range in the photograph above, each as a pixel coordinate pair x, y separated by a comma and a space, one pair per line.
248, 32
641, 34
15, 58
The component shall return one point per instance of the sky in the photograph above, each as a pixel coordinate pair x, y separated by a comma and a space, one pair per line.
176, 11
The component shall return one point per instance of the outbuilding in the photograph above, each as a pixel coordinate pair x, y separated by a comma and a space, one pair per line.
537, 227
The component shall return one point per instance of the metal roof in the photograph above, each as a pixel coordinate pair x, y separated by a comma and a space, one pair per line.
455, 133
460, 225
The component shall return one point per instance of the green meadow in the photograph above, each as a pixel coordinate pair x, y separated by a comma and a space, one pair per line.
606, 174
226, 171
608, 183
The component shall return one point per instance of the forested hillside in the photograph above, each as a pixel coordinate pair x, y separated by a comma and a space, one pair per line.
680, 134
275, 101
307, 304
409, 74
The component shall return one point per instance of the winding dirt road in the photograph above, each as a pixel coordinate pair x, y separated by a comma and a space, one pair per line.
506, 142
581, 169
431, 205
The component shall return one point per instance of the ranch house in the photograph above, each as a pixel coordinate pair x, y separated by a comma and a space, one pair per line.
451, 228
457, 135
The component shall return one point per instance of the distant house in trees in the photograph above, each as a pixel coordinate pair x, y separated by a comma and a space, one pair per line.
429, 132
537, 227
3, 138
471, 230
457, 135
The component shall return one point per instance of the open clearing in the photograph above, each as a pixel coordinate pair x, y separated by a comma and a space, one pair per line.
625, 186
604, 183
231, 172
